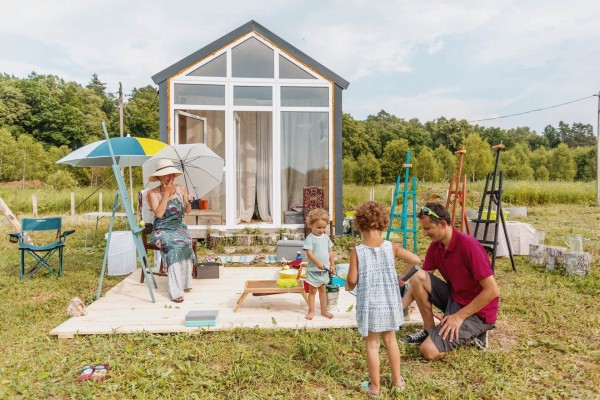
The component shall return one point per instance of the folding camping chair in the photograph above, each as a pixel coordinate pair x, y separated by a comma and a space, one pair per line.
41, 254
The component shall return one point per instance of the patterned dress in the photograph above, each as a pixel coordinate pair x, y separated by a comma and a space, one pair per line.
171, 235
378, 300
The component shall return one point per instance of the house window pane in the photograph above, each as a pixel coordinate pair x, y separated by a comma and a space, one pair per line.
294, 96
208, 125
304, 158
213, 95
252, 59
289, 70
252, 96
216, 67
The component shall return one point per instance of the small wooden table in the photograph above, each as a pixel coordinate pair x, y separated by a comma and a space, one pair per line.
269, 287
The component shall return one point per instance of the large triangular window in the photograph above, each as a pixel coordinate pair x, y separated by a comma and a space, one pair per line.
216, 67
252, 59
289, 70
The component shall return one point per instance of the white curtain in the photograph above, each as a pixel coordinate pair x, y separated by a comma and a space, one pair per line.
302, 155
254, 165
264, 187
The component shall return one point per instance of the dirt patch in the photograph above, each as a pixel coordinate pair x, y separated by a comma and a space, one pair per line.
36, 184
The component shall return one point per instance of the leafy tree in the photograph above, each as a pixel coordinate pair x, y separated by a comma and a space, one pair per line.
8, 159
538, 158
349, 167
394, 157
580, 135
552, 136
426, 167
542, 174
478, 160
141, 113
354, 141
13, 105
450, 133
515, 163
447, 162
585, 160
369, 172
561, 164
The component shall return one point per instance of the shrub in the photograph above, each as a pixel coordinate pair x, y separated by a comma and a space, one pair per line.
61, 180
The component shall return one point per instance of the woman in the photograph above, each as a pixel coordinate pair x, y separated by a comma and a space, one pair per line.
169, 203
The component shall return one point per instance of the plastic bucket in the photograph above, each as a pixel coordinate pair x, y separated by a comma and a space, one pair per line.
204, 204
121, 253
332, 293
576, 243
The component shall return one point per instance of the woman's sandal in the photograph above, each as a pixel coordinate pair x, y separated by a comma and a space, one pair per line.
86, 373
401, 386
178, 300
366, 386
100, 372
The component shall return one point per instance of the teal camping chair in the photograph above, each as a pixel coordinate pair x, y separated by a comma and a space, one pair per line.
41, 254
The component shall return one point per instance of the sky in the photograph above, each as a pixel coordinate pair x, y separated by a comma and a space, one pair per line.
467, 59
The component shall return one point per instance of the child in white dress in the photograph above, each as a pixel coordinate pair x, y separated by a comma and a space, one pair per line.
378, 301
319, 250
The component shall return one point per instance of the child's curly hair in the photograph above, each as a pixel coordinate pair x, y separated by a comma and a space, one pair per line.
371, 215
318, 214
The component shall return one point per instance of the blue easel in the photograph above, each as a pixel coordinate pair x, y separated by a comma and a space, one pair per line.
122, 199
405, 193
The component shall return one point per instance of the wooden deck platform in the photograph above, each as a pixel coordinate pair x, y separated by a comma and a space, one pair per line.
127, 308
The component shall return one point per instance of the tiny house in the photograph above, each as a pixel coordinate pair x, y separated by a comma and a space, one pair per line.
272, 113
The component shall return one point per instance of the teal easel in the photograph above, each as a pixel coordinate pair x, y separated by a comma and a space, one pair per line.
122, 199
405, 194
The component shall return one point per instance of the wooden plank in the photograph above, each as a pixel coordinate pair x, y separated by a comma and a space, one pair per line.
126, 308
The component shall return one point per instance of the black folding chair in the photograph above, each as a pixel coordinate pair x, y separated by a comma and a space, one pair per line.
41, 254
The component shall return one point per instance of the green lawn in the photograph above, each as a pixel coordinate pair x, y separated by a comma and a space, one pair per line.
546, 344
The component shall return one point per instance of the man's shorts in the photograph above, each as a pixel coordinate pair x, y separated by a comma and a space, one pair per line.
317, 278
470, 328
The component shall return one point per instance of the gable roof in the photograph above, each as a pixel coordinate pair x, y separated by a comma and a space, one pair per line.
235, 34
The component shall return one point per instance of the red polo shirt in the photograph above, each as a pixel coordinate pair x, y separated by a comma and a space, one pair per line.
463, 264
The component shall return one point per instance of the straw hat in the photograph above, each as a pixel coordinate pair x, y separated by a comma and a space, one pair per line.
164, 167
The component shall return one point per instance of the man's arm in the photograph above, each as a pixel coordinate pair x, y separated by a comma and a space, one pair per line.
451, 323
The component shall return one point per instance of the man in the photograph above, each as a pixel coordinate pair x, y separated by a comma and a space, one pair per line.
469, 295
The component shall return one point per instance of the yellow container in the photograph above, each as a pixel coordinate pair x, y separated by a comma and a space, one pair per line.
492, 215
288, 274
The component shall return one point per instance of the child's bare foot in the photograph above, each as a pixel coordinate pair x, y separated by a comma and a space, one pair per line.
327, 314
310, 315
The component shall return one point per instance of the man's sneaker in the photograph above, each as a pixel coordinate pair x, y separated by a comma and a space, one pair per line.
481, 341
416, 338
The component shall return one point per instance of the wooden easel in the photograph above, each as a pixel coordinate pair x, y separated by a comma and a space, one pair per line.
459, 196
495, 199
405, 218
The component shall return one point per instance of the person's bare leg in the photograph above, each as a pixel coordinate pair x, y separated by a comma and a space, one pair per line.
429, 351
312, 292
393, 352
407, 298
323, 302
372, 344
420, 288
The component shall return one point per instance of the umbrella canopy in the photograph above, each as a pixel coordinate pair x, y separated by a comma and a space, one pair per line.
129, 152
202, 168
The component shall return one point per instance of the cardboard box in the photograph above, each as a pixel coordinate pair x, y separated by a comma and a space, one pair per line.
207, 270
288, 248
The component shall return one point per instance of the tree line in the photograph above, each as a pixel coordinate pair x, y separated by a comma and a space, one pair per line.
43, 118
374, 150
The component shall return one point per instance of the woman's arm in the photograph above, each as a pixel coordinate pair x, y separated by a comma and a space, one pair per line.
158, 206
352, 278
187, 205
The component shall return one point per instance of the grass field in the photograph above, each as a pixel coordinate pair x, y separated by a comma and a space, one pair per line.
546, 344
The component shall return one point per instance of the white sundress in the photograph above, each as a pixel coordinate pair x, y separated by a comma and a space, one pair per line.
378, 299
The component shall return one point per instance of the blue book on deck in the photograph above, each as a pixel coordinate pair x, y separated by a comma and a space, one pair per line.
201, 318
